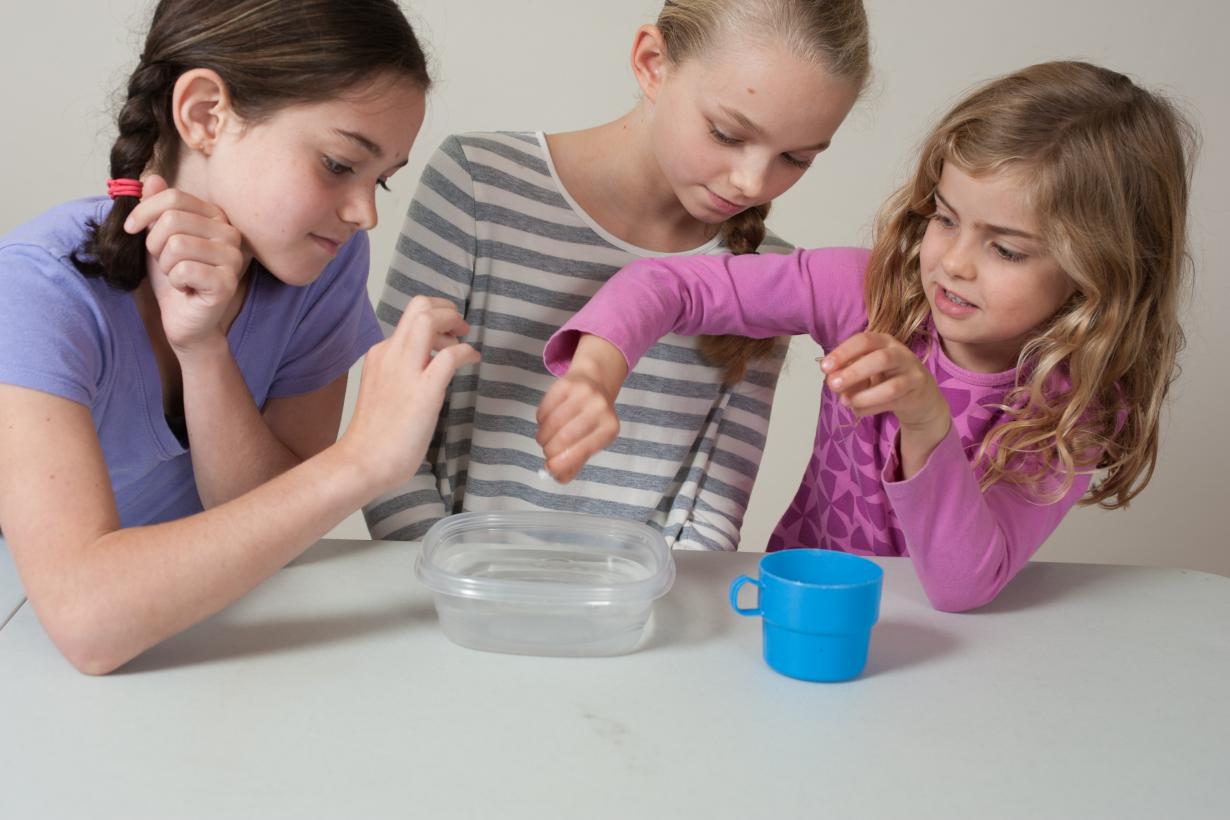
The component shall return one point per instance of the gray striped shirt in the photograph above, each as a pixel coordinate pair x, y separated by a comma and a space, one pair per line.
492, 229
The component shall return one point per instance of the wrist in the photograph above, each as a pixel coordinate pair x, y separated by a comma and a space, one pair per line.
600, 362
210, 347
346, 464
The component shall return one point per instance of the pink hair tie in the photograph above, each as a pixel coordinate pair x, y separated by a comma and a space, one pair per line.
124, 187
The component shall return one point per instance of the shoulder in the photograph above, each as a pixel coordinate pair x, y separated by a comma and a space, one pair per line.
36, 257
517, 148
58, 232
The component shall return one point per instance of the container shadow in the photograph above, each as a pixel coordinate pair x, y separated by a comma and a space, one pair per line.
696, 611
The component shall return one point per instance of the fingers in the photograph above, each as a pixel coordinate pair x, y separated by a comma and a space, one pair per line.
565, 465
173, 226
429, 325
157, 200
445, 364
880, 398
202, 280
440, 314
857, 346
576, 420
869, 369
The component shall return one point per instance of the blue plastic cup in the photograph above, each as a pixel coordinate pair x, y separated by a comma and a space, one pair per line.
818, 608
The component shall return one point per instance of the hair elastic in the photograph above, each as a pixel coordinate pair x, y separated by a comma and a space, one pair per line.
124, 187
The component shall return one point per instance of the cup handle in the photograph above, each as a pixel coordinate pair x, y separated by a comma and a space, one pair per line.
734, 595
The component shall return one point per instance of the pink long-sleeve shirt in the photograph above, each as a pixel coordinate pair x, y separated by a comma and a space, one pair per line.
965, 543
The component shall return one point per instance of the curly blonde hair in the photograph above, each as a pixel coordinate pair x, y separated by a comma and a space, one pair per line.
1107, 166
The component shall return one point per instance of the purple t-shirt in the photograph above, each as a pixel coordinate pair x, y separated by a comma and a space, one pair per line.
76, 337
966, 544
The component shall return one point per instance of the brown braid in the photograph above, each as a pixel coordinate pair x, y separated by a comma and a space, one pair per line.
110, 252
271, 54
742, 233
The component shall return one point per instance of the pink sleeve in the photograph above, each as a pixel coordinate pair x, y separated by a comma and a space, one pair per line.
967, 544
818, 292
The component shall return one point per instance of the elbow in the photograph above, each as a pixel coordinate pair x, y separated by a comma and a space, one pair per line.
83, 638
955, 603
960, 597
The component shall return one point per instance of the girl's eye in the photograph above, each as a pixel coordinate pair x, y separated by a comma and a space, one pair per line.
944, 220
1006, 254
335, 167
802, 164
722, 138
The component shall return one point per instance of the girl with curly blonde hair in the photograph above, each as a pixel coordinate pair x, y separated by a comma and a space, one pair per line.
1011, 335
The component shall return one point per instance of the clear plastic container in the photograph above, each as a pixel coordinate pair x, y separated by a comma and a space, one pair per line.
545, 583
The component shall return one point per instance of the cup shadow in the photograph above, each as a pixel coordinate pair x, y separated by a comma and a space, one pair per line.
691, 613
212, 642
898, 645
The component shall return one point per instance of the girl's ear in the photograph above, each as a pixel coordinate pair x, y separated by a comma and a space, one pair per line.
201, 107
649, 60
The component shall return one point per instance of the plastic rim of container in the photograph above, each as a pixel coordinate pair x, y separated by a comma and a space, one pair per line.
528, 591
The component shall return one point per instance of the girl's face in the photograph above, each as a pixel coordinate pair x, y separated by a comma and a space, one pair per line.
301, 183
988, 277
736, 127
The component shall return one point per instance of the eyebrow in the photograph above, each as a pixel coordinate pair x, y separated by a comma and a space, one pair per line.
996, 229
743, 122
372, 148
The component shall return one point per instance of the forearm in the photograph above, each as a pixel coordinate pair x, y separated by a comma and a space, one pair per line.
917, 442
966, 544
233, 449
132, 588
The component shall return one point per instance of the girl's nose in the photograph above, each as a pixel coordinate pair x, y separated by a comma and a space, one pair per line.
957, 260
360, 210
750, 179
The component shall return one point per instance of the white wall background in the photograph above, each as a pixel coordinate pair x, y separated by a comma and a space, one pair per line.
562, 64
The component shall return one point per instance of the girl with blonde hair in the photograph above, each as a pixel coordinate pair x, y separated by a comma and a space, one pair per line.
519, 230
1012, 333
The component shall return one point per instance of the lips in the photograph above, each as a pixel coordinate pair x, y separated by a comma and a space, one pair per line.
330, 246
957, 299
952, 304
723, 205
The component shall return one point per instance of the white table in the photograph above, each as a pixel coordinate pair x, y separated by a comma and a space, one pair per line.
1083, 691
12, 595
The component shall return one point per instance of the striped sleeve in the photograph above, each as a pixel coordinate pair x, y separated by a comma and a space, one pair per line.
434, 257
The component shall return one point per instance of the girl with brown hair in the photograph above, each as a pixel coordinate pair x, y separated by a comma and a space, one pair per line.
173, 358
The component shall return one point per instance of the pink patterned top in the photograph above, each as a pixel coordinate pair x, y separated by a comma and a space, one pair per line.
965, 544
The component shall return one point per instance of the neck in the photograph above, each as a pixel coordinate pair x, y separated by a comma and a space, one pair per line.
613, 173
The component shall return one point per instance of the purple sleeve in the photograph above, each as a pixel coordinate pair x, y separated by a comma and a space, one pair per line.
335, 328
817, 292
51, 330
967, 544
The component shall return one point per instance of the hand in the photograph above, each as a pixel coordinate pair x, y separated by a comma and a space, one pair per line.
874, 373
577, 415
402, 389
195, 263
